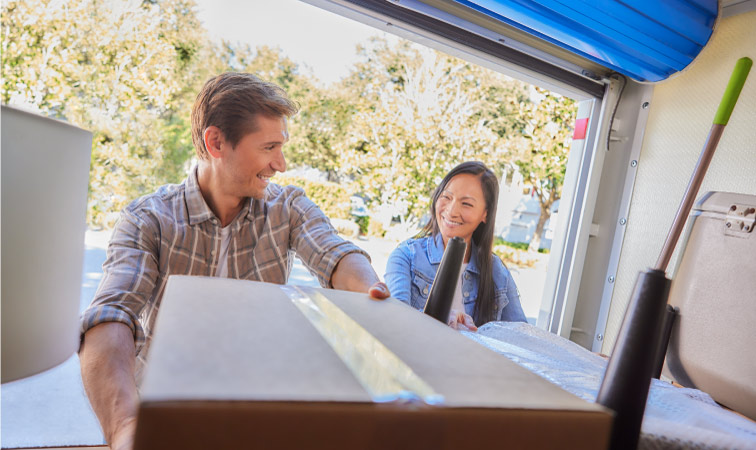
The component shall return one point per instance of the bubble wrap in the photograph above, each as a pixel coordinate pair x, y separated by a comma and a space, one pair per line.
675, 418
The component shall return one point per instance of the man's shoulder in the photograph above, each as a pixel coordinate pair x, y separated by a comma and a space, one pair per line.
276, 192
161, 202
285, 199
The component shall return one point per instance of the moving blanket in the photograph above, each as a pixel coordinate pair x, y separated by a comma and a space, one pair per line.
675, 418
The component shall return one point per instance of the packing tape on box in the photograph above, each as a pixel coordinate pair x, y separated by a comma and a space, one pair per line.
385, 377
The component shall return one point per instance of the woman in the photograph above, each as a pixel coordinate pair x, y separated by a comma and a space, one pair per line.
463, 205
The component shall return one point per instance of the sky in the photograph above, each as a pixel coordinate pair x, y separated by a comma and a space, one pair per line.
313, 37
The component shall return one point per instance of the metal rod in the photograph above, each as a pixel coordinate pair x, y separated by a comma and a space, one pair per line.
690, 196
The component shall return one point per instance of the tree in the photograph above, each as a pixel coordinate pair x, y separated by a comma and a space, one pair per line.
418, 114
542, 144
129, 71
113, 67
322, 118
323, 114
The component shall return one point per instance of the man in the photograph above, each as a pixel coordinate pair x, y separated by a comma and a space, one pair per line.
225, 220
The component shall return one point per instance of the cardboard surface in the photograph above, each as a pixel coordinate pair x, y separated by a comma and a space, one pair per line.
235, 363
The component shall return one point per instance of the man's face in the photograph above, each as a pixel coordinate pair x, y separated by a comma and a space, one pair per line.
257, 157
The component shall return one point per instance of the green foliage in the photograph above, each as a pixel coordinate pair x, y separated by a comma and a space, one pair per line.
513, 257
418, 113
115, 68
129, 72
375, 228
541, 145
515, 245
523, 246
364, 223
323, 115
332, 198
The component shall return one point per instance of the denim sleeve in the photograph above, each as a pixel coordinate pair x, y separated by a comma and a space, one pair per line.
513, 311
398, 273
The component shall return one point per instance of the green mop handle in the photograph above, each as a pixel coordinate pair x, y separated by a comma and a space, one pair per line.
737, 80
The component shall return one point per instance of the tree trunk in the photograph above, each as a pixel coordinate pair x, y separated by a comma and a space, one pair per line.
535, 243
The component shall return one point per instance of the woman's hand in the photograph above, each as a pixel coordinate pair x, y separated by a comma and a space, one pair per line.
461, 321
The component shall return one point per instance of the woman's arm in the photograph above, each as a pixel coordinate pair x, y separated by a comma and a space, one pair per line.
398, 273
513, 311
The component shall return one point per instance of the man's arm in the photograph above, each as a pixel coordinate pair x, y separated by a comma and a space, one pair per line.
354, 273
107, 369
337, 263
111, 331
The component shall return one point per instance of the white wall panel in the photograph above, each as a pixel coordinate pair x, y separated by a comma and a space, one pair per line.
681, 112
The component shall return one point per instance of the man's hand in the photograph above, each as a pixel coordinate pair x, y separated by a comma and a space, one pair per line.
379, 291
461, 321
354, 273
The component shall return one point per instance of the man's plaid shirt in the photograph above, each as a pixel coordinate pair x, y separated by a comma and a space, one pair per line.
173, 231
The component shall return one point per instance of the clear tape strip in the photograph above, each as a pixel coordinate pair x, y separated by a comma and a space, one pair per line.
384, 376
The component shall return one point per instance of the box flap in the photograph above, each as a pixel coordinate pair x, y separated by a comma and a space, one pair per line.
221, 339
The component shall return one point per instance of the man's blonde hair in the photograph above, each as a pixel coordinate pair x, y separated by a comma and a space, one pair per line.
231, 101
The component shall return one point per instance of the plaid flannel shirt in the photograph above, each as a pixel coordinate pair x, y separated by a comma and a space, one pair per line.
173, 231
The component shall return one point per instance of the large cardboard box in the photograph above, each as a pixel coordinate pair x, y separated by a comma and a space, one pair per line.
236, 364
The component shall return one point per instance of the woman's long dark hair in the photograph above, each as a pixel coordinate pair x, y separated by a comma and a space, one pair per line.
482, 236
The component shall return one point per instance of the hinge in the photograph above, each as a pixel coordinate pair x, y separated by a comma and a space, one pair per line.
740, 220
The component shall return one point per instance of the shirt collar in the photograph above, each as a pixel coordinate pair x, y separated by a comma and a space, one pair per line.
195, 203
436, 252
197, 207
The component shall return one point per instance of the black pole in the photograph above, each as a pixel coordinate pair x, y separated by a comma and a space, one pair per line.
669, 319
624, 388
441, 293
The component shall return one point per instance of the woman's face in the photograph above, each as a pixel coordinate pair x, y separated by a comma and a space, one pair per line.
461, 207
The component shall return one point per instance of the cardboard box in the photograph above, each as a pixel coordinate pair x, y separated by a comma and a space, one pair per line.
235, 364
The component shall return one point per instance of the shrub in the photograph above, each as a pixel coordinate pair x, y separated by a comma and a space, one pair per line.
515, 245
514, 257
332, 198
363, 222
346, 227
375, 228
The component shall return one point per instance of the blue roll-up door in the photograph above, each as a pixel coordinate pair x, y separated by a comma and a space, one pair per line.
645, 40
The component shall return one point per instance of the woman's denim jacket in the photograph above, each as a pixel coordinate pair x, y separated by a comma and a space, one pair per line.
412, 267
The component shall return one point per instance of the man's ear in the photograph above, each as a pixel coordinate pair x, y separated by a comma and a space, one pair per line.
213, 138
